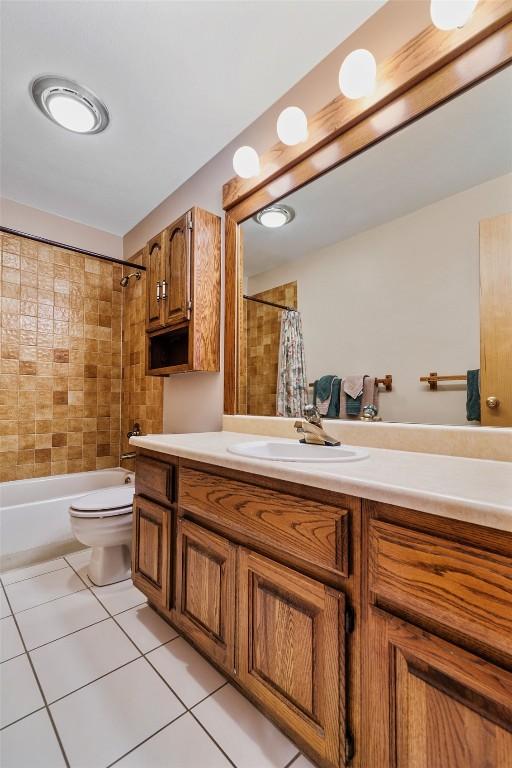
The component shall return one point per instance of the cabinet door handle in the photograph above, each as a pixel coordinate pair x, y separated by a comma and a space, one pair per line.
158, 291
492, 402
164, 289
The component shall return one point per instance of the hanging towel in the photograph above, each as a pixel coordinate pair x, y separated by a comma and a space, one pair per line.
353, 389
326, 396
370, 392
473, 395
292, 384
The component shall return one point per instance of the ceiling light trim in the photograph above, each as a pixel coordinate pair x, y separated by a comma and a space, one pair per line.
286, 212
44, 87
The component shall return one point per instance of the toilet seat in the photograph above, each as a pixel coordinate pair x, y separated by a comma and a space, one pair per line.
107, 502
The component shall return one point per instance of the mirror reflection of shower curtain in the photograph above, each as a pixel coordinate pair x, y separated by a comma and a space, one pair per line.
292, 387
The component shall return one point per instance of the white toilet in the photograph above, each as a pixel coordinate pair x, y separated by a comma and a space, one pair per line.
103, 520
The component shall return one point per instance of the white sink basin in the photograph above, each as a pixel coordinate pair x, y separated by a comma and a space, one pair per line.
274, 451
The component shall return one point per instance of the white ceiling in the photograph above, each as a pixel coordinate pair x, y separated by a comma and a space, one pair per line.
180, 79
463, 143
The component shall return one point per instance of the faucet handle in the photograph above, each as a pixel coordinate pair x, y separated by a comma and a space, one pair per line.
312, 414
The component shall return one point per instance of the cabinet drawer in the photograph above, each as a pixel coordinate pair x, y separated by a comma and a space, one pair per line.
314, 532
463, 587
154, 479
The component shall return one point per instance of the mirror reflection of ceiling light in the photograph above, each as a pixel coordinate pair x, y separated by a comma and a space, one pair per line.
69, 104
451, 14
275, 216
246, 162
358, 74
292, 126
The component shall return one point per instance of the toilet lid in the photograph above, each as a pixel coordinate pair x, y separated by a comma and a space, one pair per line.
109, 501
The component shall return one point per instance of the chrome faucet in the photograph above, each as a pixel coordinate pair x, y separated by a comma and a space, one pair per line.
134, 431
311, 427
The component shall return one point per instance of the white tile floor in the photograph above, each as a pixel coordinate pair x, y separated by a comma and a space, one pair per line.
92, 676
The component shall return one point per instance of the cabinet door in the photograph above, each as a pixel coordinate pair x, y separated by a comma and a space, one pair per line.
205, 590
433, 704
154, 277
291, 658
151, 550
176, 287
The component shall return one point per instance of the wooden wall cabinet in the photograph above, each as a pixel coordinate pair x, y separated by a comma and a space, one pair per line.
183, 296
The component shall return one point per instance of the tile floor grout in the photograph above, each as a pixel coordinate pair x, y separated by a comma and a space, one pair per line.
27, 578
111, 616
57, 735
144, 655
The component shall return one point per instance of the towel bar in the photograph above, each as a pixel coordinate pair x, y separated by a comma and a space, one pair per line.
386, 382
433, 378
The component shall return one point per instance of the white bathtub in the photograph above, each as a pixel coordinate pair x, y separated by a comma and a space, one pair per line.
34, 520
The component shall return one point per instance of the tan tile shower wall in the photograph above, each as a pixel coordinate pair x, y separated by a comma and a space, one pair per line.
60, 353
263, 325
142, 396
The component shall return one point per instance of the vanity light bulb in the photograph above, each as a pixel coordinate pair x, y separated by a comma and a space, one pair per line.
358, 74
451, 14
292, 126
246, 162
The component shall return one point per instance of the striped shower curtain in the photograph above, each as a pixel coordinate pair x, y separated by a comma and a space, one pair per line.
292, 386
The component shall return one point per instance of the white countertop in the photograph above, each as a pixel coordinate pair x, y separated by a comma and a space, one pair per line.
475, 490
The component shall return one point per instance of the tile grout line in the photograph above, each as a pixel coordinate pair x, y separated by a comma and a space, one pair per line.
110, 615
144, 655
45, 602
57, 735
27, 578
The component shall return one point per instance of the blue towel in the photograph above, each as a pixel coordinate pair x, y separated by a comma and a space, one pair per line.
473, 395
328, 388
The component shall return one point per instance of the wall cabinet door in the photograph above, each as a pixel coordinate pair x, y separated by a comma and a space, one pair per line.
205, 590
291, 658
151, 550
176, 285
154, 283
432, 704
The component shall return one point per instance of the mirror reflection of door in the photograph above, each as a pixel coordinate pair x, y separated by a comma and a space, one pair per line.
385, 258
496, 320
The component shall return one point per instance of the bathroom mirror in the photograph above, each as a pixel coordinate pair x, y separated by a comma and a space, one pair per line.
381, 266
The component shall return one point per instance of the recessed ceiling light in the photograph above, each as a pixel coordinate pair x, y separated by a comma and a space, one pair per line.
69, 104
275, 216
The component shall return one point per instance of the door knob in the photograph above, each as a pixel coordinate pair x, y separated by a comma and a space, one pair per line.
492, 402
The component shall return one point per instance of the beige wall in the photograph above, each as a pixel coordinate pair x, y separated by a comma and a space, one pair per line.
402, 298
32, 221
194, 402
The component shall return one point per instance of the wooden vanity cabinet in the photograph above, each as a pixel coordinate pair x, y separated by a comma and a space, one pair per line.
151, 550
438, 643
374, 636
291, 652
205, 591
183, 296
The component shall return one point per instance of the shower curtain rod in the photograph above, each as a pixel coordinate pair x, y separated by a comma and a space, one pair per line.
270, 303
55, 244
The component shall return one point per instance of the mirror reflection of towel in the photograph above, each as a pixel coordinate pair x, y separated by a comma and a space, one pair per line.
326, 396
370, 392
353, 390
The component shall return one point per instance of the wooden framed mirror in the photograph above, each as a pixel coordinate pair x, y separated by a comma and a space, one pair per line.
431, 71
